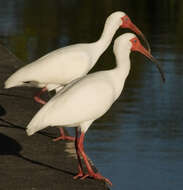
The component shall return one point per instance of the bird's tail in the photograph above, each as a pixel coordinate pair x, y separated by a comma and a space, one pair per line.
38, 122
33, 127
13, 81
30, 130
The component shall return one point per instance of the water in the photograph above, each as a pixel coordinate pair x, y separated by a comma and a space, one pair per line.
138, 144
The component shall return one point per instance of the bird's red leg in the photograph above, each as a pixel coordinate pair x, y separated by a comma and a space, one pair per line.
37, 96
63, 136
91, 173
80, 167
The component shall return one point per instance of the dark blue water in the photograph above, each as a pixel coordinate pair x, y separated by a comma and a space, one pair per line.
138, 144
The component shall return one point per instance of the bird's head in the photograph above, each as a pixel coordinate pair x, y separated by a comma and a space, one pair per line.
125, 22
129, 40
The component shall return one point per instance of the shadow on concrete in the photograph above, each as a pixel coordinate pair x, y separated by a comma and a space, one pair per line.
9, 146
14, 95
2, 111
47, 96
6, 123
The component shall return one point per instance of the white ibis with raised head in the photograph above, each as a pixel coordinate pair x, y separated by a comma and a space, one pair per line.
88, 99
64, 65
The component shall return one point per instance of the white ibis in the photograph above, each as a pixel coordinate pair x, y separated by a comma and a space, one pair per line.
64, 65
88, 99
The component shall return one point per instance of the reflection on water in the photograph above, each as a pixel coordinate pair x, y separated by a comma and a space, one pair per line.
138, 144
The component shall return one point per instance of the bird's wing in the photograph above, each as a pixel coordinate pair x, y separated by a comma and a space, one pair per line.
60, 89
58, 67
88, 99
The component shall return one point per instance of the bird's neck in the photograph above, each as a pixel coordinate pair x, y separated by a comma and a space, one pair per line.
121, 71
122, 63
109, 30
102, 44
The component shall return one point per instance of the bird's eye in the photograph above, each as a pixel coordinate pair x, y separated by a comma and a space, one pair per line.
126, 19
135, 41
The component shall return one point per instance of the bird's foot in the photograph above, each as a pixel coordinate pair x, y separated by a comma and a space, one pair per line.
65, 137
79, 175
97, 176
39, 100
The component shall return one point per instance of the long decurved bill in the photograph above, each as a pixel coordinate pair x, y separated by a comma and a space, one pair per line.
127, 23
136, 46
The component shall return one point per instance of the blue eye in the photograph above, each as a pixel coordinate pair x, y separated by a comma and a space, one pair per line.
135, 41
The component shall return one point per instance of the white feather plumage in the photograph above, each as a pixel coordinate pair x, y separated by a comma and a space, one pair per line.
65, 64
88, 98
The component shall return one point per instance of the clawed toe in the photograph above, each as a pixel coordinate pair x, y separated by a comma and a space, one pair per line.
69, 138
95, 176
85, 176
79, 175
100, 177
